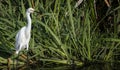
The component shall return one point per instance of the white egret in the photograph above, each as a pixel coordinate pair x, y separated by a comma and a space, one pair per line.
24, 34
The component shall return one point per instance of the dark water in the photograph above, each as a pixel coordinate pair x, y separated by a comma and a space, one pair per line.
108, 66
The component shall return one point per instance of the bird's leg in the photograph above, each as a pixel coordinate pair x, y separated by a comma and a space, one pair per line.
17, 60
18, 56
27, 55
27, 60
13, 63
14, 59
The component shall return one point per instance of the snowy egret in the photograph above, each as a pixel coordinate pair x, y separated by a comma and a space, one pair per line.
23, 36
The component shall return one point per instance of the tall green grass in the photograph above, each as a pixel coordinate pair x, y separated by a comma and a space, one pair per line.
60, 32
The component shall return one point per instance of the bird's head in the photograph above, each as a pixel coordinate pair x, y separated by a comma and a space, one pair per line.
30, 10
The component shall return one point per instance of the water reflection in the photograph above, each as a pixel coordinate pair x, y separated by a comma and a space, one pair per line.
97, 67
108, 66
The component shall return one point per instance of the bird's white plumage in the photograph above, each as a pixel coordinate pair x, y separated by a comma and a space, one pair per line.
23, 36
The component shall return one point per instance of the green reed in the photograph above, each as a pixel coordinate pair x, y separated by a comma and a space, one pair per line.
60, 32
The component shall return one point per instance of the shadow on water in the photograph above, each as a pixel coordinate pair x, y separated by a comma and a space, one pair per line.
108, 66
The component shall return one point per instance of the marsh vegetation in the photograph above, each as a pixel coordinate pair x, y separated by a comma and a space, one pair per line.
61, 32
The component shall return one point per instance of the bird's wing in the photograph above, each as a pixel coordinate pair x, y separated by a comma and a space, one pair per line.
20, 37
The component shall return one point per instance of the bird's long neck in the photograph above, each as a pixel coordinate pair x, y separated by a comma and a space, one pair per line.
28, 22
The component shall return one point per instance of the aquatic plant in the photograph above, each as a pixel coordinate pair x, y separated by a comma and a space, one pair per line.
61, 32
